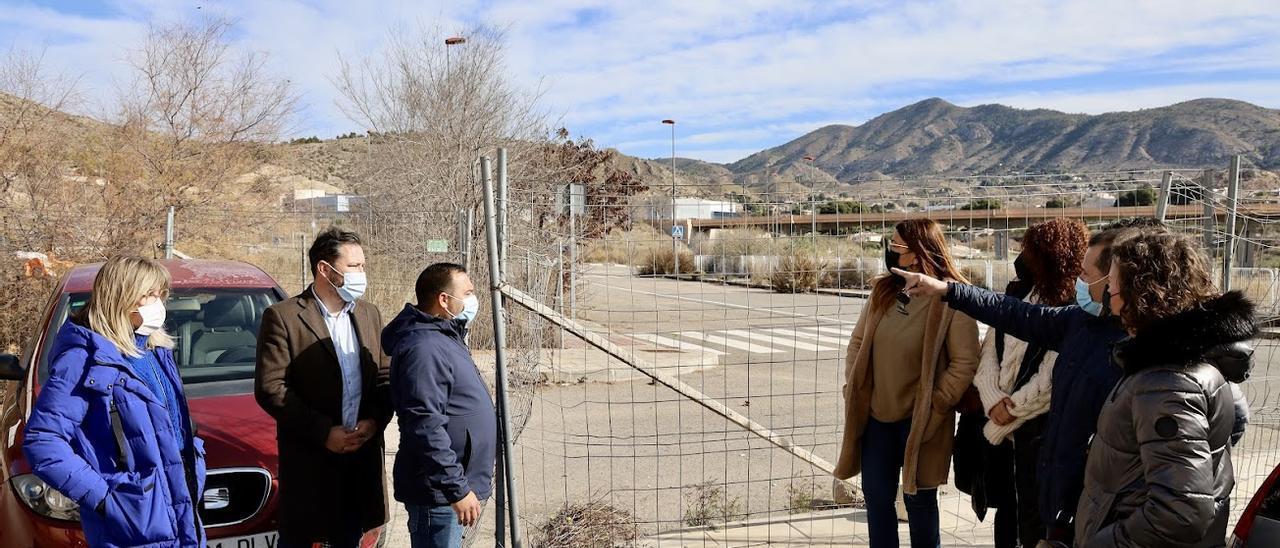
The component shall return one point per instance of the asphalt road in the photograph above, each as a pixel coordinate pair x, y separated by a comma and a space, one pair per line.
643, 448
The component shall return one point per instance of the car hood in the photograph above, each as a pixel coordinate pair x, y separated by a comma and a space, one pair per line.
236, 432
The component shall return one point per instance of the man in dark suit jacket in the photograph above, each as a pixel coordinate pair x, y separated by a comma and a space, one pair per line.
322, 374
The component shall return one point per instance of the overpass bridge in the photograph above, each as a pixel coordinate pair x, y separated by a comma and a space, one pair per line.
787, 223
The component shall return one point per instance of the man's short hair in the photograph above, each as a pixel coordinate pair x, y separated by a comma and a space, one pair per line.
1106, 237
328, 244
434, 280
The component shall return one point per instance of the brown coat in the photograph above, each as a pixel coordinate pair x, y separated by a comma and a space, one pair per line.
946, 371
299, 382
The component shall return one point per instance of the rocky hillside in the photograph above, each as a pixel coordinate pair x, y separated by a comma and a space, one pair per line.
936, 137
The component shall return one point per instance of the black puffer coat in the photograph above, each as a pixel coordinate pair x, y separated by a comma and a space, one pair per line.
1159, 470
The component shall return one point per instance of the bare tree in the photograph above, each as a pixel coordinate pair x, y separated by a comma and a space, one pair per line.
197, 116
39, 198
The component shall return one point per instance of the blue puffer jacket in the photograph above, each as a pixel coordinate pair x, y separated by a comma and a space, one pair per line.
448, 429
72, 446
1082, 378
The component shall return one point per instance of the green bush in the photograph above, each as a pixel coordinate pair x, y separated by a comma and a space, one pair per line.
1144, 196
981, 204
841, 206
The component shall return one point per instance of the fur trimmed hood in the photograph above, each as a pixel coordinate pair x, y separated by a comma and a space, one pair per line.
1214, 332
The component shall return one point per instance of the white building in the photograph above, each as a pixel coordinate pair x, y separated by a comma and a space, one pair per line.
692, 208
340, 203
1099, 200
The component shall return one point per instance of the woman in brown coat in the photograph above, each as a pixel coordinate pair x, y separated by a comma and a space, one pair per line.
909, 362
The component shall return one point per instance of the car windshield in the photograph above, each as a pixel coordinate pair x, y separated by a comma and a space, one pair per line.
215, 331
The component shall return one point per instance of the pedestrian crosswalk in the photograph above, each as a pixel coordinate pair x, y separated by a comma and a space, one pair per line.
757, 340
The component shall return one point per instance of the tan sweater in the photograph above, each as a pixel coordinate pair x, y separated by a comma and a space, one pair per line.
896, 350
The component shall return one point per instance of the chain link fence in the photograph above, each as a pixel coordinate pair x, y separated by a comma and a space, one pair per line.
749, 307
749, 301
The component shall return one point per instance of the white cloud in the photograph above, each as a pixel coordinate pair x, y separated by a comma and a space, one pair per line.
744, 74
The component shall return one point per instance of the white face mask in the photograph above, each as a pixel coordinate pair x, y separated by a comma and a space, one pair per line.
470, 308
152, 317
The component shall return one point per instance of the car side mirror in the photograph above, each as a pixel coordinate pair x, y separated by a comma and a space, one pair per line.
10, 369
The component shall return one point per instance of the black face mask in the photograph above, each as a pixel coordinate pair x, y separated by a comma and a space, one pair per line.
1020, 268
891, 258
1106, 301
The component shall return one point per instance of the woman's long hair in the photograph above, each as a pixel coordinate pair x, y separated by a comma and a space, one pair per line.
120, 284
924, 238
1054, 252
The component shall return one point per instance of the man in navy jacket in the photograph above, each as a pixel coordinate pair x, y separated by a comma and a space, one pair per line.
448, 430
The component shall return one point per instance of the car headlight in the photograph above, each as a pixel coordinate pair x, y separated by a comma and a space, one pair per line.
45, 500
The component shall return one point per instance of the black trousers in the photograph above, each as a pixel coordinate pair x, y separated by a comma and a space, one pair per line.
1019, 524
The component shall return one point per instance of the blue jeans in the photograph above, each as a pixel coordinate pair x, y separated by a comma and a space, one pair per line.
883, 445
433, 527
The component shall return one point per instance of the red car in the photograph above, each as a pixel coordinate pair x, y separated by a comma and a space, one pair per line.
214, 310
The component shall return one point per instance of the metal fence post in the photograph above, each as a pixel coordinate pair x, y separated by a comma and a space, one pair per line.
302, 253
502, 209
1162, 200
1206, 196
168, 234
500, 351
1228, 252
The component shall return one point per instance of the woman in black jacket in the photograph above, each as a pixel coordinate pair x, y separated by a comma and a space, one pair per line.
1159, 470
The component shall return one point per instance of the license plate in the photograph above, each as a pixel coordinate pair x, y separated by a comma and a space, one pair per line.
260, 540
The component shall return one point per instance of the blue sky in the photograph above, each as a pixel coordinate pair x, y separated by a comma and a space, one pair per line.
737, 76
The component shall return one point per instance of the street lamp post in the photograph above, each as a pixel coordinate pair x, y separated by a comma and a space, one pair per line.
813, 212
675, 244
451, 41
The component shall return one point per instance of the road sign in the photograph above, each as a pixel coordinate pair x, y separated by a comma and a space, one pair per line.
677, 232
571, 199
437, 246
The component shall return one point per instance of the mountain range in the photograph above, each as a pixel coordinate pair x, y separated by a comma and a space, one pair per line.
929, 139
936, 138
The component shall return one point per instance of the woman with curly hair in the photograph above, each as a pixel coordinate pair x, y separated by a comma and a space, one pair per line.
1014, 382
1159, 469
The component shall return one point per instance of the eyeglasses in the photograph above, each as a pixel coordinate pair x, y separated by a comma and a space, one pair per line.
903, 301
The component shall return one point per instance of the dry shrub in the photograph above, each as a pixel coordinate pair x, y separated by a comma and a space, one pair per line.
661, 260
849, 276
976, 276
736, 242
623, 246
22, 298
800, 496
594, 524
797, 272
707, 504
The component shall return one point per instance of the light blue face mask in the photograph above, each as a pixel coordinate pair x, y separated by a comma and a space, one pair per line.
1085, 300
353, 285
470, 307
